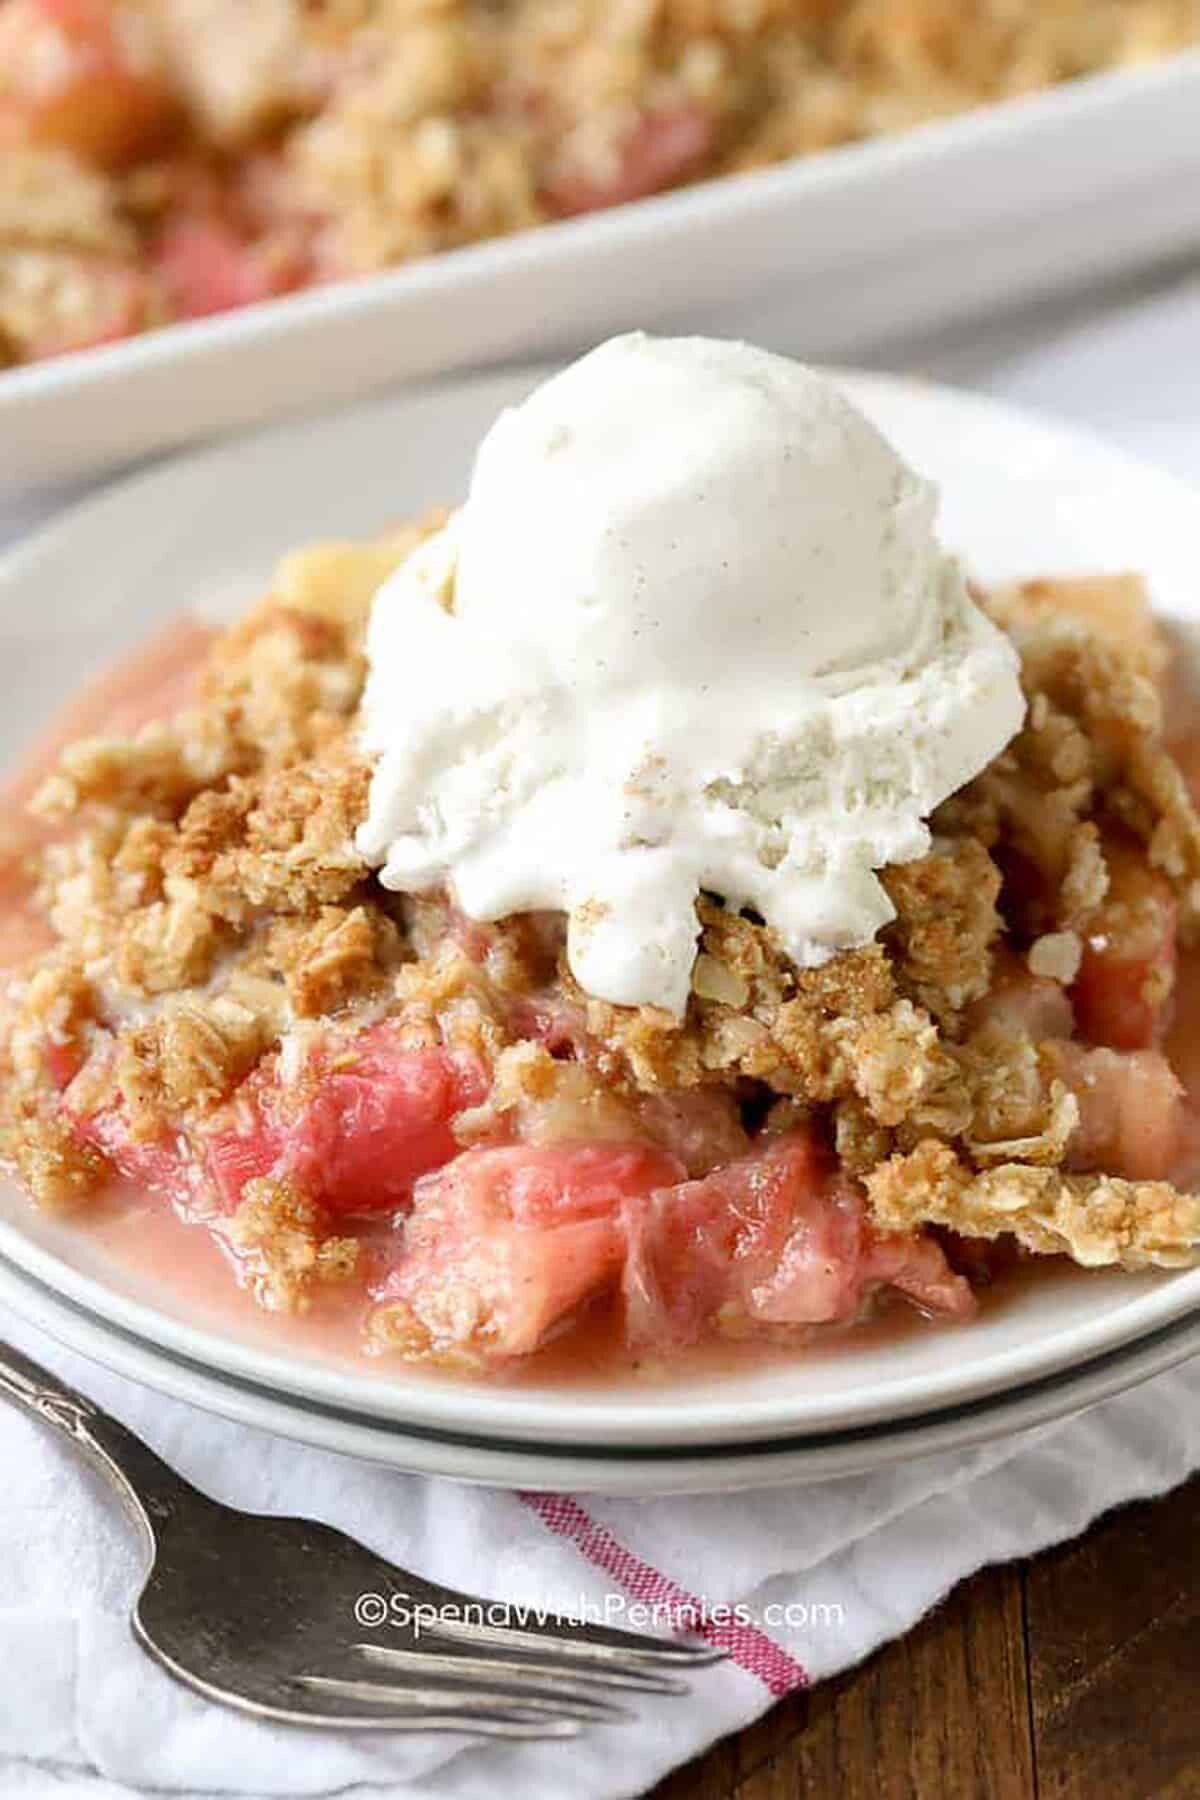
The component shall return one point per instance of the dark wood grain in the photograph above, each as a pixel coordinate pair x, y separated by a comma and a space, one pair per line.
1075, 1676
1114, 1635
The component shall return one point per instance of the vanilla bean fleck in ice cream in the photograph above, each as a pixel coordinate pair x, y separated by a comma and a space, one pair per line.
692, 629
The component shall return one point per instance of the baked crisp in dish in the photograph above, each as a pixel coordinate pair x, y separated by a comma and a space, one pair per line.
166, 159
364, 1094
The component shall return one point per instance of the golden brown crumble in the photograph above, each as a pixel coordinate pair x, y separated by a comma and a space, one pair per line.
50, 198
785, 1026
1093, 743
1056, 956
208, 908
946, 922
548, 1102
1020, 1108
285, 1247
1114, 606
204, 1050
543, 1101
339, 956
1095, 1219
453, 1336
446, 998
288, 839
59, 1172
1085, 878
858, 1138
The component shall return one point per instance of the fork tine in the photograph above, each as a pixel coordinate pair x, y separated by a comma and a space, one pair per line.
520, 1677
498, 1662
483, 1722
528, 1707
592, 1646
448, 1612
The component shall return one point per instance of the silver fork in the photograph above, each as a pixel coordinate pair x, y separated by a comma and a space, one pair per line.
259, 1613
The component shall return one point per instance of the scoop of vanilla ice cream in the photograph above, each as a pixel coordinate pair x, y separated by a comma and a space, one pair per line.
691, 629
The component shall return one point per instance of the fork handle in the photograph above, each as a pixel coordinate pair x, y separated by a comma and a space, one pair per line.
153, 1493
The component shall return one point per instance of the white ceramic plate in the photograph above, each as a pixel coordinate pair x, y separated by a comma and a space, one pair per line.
612, 1468
1020, 497
871, 238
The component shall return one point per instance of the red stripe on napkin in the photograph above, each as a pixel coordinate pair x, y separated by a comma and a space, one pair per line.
743, 1642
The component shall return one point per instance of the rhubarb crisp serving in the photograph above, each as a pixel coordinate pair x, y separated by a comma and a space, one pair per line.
386, 1066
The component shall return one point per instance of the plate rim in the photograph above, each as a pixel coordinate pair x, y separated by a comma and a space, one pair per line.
414, 1402
616, 1470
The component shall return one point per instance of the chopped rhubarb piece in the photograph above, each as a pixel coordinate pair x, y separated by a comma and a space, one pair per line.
81, 19
374, 1127
776, 1238
206, 267
663, 148
1022, 1003
701, 1126
503, 1245
159, 1165
378, 1116
1131, 1113
251, 1150
371, 1119
917, 1267
558, 1024
1122, 995
163, 1163
63, 1062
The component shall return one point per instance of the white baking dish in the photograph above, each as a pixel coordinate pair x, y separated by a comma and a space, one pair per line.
998, 203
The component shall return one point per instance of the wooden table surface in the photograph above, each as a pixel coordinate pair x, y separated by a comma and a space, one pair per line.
1074, 1676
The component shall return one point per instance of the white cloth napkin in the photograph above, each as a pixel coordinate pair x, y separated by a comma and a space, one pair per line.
823, 1575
